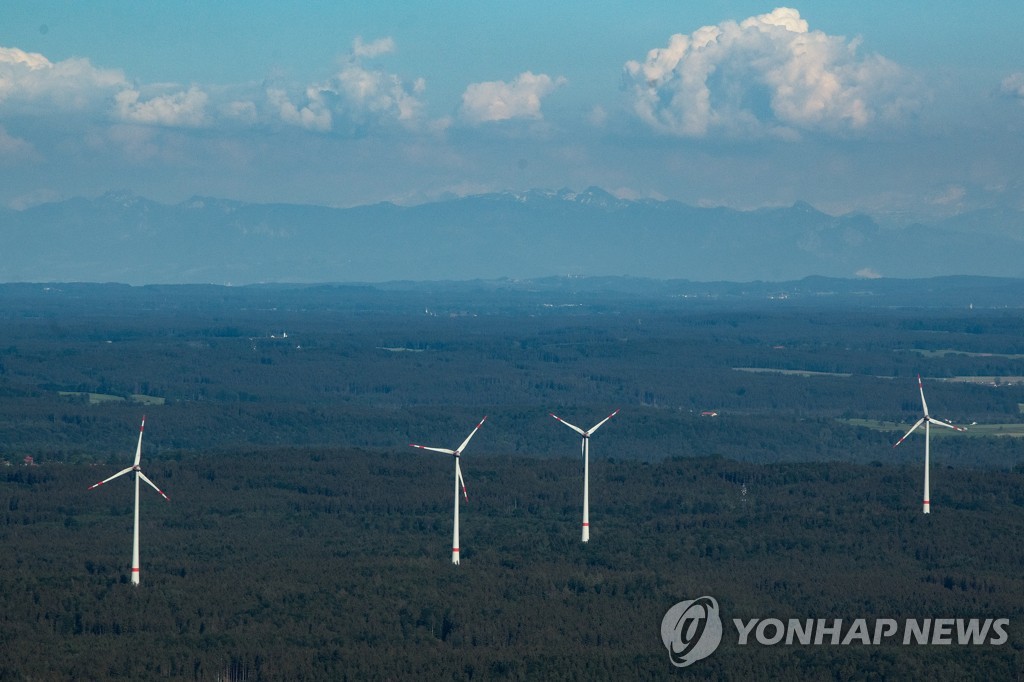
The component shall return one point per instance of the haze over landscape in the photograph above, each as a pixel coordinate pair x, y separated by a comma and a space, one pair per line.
896, 114
122, 237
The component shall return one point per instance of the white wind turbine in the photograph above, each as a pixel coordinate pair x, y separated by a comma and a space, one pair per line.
927, 420
138, 475
586, 467
456, 454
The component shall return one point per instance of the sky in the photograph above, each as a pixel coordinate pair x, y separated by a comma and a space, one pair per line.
903, 110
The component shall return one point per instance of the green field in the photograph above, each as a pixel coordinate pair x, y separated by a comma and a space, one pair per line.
941, 353
101, 398
974, 430
792, 372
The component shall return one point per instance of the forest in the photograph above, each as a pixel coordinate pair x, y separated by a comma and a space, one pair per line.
751, 460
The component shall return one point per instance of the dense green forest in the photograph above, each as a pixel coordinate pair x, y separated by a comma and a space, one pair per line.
334, 564
305, 540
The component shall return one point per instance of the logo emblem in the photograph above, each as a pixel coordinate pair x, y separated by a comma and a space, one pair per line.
691, 630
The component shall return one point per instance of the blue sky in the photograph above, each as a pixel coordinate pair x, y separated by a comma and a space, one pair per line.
903, 110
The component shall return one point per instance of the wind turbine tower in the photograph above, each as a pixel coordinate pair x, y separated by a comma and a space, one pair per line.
456, 454
927, 420
138, 475
586, 467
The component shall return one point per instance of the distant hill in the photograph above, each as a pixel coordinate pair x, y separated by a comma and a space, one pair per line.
120, 237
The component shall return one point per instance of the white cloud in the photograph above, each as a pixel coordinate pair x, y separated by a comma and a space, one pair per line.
370, 91
187, 108
597, 116
501, 101
240, 110
766, 74
30, 78
373, 49
356, 95
1013, 85
868, 273
29, 81
951, 196
14, 148
43, 195
312, 115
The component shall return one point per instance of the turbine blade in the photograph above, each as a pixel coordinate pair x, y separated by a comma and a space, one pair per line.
583, 448
471, 434
462, 481
144, 478
939, 422
600, 423
424, 447
920, 386
138, 450
912, 428
571, 426
122, 472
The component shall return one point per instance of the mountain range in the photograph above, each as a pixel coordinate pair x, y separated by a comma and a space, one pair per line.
121, 237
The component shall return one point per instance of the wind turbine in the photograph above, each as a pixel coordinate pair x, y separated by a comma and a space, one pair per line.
586, 467
456, 454
138, 475
927, 420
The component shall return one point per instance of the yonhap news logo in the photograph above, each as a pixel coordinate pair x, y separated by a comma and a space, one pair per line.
692, 630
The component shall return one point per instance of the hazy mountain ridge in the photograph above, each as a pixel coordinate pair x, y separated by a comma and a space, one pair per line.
126, 238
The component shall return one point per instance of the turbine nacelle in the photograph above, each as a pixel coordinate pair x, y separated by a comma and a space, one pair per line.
588, 432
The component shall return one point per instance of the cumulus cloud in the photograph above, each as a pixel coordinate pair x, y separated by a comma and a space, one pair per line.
242, 111
186, 108
768, 73
14, 148
372, 49
28, 78
501, 101
357, 95
313, 114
